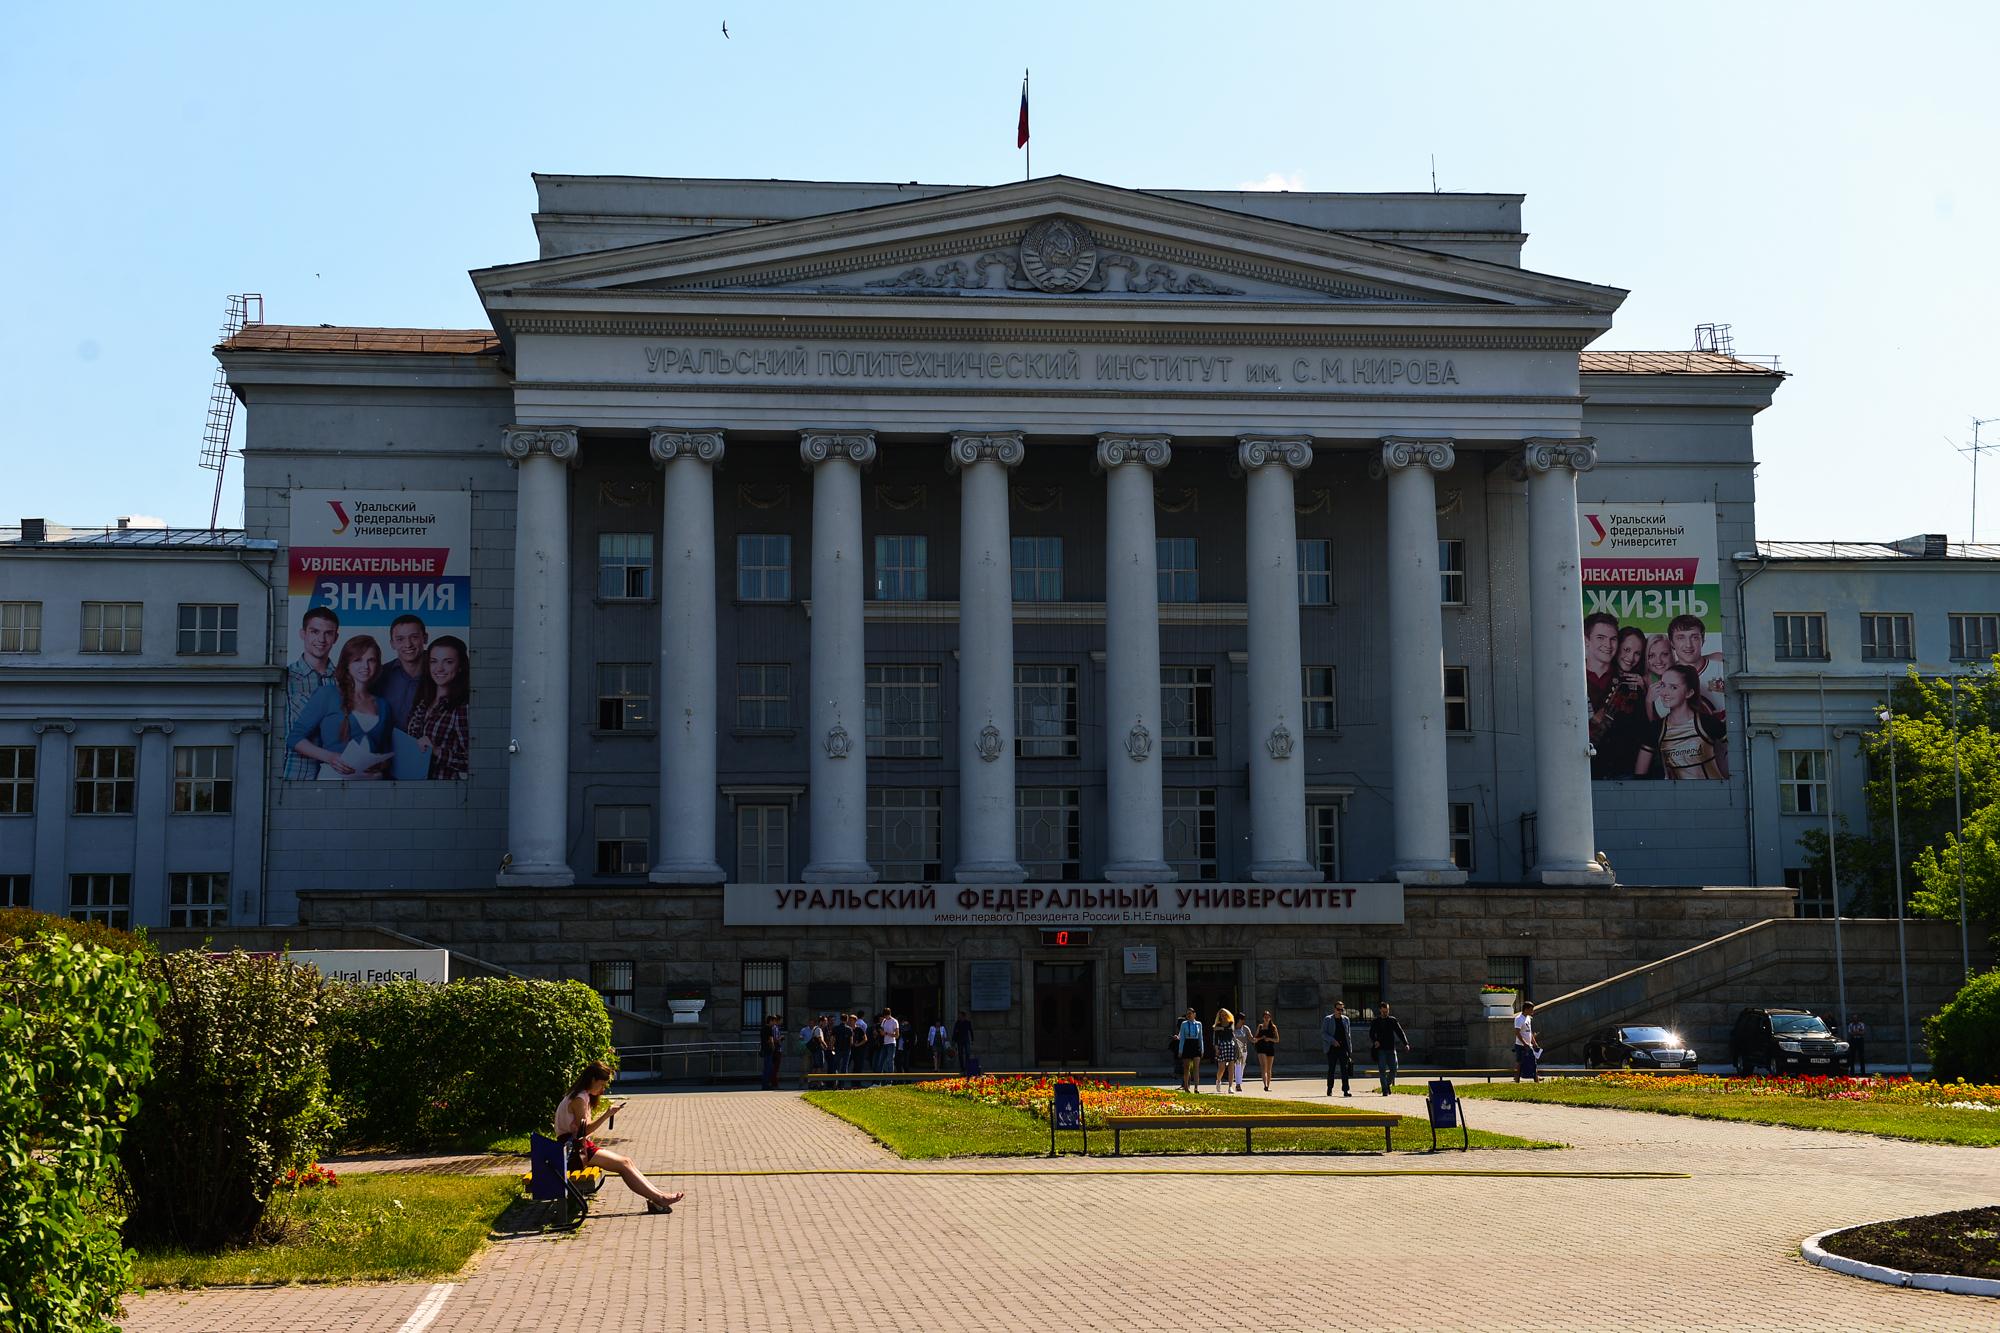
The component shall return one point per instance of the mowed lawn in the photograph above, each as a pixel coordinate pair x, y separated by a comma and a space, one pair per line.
927, 1125
1893, 1120
369, 1228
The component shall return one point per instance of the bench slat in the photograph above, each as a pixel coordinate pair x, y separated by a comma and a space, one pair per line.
1359, 1119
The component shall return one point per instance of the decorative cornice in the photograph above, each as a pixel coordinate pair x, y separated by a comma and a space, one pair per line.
817, 446
67, 726
1002, 447
1292, 451
1152, 451
248, 725
705, 445
1546, 454
558, 442
1399, 452
163, 726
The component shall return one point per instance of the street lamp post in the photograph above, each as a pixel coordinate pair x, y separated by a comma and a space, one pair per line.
1888, 716
1958, 822
1832, 858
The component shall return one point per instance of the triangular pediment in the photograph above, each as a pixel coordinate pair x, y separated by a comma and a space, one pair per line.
1053, 238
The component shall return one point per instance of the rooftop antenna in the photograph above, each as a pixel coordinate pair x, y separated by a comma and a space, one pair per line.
1977, 448
247, 308
1434, 174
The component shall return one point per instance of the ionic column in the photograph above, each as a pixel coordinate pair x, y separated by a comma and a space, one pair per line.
1416, 663
538, 744
1279, 849
838, 715
1132, 777
687, 658
986, 842
1565, 830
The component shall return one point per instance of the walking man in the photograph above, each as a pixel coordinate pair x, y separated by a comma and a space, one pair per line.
886, 1024
1857, 1045
961, 1037
1387, 1036
1336, 1039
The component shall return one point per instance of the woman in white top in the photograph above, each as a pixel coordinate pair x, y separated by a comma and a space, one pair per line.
1243, 1037
574, 1120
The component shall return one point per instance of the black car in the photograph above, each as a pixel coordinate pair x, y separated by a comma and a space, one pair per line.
1639, 1046
1786, 1040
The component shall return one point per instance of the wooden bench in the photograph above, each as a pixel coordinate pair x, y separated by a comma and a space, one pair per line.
1386, 1121
942, 1075
1406, 1074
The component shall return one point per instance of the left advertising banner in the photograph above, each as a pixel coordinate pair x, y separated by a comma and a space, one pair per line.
379, 619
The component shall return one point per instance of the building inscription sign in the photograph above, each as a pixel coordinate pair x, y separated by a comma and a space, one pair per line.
1063, 905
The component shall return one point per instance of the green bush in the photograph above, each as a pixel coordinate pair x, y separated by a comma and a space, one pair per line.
76, 1035
238, 1097
1964, 1036
21, 923
423, 1066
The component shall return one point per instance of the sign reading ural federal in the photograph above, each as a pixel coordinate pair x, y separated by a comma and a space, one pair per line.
1063, 904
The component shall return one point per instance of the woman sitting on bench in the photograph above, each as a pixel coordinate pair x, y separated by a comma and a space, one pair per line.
574, 1121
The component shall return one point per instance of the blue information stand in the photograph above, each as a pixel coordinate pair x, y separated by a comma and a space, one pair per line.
1066, 1112
1442, 1103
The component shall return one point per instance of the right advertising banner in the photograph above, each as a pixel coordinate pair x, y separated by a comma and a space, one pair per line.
1652, 643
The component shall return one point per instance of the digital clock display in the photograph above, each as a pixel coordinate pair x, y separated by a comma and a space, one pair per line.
1064, 938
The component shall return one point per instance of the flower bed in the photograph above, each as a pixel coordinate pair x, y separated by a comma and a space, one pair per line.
314, 1176
1035, 1095
1899, 1091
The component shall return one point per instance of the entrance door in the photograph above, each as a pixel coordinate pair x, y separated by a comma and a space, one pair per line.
916, 997
1212, 985
1066, 1013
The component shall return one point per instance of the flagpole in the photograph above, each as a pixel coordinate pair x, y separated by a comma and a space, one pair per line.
1027, 170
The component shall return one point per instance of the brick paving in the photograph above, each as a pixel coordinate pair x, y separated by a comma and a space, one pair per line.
1101, 1245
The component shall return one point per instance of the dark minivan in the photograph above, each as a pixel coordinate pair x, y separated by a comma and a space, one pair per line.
1786, 1040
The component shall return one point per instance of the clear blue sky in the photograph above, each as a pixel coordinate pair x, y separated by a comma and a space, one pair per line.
1822, 177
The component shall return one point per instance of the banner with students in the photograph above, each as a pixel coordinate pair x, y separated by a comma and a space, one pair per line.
1652, 642
379, 617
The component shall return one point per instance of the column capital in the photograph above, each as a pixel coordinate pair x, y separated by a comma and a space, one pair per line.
1544, 453
667, 445
558, 442
1400, 452
1002, 447
1292, 451
1152, 451
818, 446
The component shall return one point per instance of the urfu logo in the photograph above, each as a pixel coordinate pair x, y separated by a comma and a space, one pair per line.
340, 513
1591, 518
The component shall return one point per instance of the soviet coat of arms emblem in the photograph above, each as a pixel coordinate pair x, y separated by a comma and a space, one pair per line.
1058, 255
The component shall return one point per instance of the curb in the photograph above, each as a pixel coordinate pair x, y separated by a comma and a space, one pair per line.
1813, 1252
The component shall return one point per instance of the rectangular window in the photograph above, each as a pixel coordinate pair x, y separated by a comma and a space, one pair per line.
1187, 712
1809, 886
1457, 699
904, 834
207, 629
624, 839
1516, 972
763, 696
20, 627
1189, 815
902, 569
903, 712
1887, 637
624, 696
204, 780
1799, 636
1047, 837
1461, 835
763, 993
15, 891
762, 838
105, 779
613, 979
1315, 572
105, 899
112, 627
1974, 638
1802, 782
1038, 569
1045, 719
625, 566
17, 779
198, 900
1320, 710
1323, 826
1361, 985
1180, 575
764, 567
1451, 571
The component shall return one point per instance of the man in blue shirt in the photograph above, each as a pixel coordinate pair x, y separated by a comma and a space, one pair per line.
318, 629
396, 683
1336, 1039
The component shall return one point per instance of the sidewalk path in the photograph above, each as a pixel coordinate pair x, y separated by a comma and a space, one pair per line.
1100, 1246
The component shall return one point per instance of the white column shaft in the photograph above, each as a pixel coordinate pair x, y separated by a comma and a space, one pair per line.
838, 714
1279, 850
1416, 665
986, 824
1565, 832
687, 660
538, 758
1134, 836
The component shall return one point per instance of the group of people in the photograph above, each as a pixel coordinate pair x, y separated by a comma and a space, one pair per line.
344, 710
1387, 1042
849, 1043
1228, 1042
1656, 701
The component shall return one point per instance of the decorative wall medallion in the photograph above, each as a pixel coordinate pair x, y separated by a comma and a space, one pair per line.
1177, 500
1138, 741
1313, 501
764, 495
901, 497
1279, 742
1038, 499
989, 742
1058, 255
626, 494
838, 742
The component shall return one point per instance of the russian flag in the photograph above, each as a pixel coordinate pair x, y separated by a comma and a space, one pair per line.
1021, 134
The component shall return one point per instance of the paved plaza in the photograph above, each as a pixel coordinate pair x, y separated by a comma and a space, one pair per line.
795, 1220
